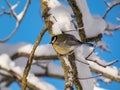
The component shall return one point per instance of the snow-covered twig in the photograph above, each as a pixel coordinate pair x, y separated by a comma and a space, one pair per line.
90, 53
101, 63
18, 17
116, 28
68, 72
110, 6
48, 53
110, 28
109, 72
118, 19
33, 82
102, 45
104, 79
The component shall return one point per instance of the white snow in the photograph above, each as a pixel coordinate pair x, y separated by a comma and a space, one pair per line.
98, 88
118, 19
111, 27
5, 62
93, 25
83, 52
46, 49
3, 87
103, 46
108, 70
61, 17
55, 69
52, 3
14, 6
113, 2
70, 75
39, 83
20, 15
62, 20
106, 80
83, 68
26, 48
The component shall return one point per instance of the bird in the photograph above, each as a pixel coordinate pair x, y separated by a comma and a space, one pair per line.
64, 44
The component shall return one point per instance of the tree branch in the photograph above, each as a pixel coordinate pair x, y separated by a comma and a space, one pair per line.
30, 59
22, 54
68, 73
78, 16
19, 78
113, 4
18, 17
90, 63
75, 72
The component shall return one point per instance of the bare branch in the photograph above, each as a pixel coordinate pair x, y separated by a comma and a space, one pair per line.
90, 77
103, 64
5, 12
82, 62
90, 53
30, 59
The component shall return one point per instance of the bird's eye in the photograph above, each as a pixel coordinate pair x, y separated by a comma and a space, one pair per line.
53, 39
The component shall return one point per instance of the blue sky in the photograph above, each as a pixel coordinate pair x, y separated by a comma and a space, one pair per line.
33, 23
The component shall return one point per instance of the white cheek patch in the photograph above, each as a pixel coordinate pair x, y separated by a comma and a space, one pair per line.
54, 39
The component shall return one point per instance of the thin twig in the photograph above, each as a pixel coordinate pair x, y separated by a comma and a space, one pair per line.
18, 19
11, 10
90, 53
109, 8
116, 28
103, 65
30, 59
75, 30
82, 62
106, 64
5, 12
90, 77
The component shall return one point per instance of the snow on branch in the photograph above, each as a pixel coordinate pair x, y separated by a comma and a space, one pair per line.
18, 17
102, 45
118, 19
109, 72
110, 28
100, 62
9, 66
110, 5
49, 54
